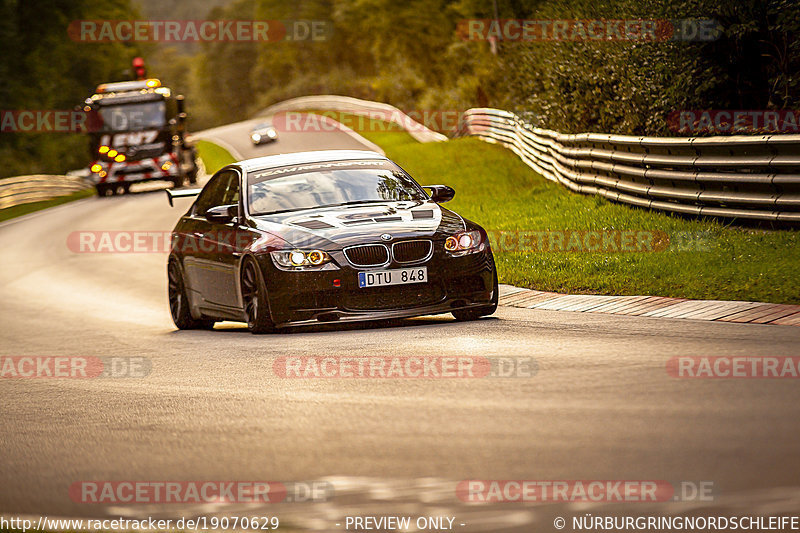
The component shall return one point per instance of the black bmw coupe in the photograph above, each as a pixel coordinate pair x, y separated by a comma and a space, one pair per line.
313, 237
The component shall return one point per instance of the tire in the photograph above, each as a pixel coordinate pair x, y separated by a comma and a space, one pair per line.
467, 315
179, 303
255, 300
105, 189
177, 182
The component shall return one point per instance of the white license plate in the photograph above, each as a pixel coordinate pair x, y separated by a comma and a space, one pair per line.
398, 276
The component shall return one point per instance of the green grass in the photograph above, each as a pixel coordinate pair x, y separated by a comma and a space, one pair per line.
498, 191
24, 209
213, 155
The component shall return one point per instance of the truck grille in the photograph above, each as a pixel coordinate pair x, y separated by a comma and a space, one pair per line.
134, 154
367, 255
137, 169
411, 251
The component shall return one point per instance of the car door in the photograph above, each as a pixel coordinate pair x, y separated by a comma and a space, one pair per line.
200, 260
228, 241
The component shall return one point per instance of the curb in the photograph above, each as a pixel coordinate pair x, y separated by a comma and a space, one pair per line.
653, 306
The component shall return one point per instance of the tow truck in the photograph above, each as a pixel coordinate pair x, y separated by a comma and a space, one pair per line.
139, 135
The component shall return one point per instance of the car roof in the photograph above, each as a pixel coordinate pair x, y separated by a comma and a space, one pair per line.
318, 156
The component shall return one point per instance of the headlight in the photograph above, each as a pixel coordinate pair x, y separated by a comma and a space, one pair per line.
464, 243
299, 259
256, 137
271, 134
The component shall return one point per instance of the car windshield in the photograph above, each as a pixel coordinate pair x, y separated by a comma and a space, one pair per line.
329, 184
129, 117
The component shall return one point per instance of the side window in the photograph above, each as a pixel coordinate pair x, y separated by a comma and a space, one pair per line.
216, 192
232, 192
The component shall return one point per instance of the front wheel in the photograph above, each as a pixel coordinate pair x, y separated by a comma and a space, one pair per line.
254, 299
179, 303
466, 315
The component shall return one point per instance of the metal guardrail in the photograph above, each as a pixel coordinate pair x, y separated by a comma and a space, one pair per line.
355, 106
750, 177
26, 189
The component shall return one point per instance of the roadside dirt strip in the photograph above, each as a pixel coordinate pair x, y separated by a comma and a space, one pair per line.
653, 306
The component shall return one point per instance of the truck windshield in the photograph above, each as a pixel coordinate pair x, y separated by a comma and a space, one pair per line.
130, 117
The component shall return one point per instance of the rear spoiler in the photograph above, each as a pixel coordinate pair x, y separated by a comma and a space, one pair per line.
181, 193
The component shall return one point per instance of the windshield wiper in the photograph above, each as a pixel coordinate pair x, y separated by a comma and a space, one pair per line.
281, 211
354, 202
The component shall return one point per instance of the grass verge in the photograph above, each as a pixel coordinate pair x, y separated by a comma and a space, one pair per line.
24, 209
213, 155
703, 259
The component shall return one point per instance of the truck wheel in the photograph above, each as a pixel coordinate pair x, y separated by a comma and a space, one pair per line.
101, 190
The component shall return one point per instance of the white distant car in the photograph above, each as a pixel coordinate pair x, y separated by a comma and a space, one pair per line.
263, 133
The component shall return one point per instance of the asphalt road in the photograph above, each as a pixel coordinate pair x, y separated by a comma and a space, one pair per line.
600, 407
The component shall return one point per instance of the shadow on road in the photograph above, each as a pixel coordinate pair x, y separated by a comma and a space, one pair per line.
428, 321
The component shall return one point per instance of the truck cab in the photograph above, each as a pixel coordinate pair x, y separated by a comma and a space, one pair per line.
138, 135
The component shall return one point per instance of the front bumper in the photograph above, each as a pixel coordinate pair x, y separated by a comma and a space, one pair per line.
305, 297
135, 171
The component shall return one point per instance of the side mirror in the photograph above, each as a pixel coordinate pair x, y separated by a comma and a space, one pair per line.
222, 214
441, 193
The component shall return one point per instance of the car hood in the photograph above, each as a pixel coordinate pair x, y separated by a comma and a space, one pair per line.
337, 227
